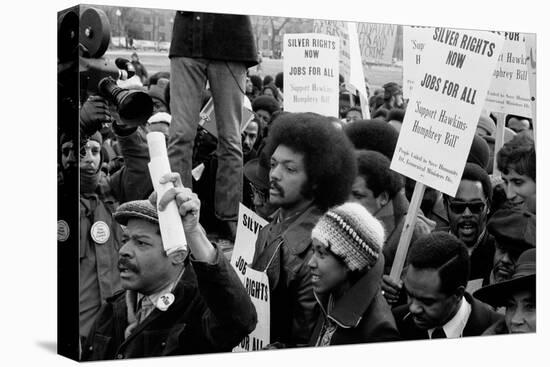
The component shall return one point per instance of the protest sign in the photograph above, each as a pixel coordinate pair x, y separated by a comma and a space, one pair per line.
337, 29
208, 117
445, 105
377, 42
311, 73
248, 227
531, 51
414, 40
509, 90
255, 282
357, 75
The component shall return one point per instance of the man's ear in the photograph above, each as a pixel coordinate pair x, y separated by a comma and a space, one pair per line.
383, 198
178, 257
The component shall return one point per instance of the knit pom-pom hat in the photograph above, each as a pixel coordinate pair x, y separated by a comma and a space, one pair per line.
351, 233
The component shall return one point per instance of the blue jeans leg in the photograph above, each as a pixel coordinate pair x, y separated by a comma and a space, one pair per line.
227, 83
187, 81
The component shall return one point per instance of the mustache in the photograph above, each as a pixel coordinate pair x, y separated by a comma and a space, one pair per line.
125, 263
276, 186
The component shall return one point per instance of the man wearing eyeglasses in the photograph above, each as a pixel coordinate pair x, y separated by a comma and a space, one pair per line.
467, 212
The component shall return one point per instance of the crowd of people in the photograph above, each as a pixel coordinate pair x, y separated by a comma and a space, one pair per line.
336, 212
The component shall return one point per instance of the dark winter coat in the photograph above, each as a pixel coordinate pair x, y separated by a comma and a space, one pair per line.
211, 313
362, 314
293, 306
214, 36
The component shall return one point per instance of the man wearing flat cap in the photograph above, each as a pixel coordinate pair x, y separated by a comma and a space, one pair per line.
514, 231
172, 303
518, 294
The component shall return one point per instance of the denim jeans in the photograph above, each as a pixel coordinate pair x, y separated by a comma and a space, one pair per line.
188, 78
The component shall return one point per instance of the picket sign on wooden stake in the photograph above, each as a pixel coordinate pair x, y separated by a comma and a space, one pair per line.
499, 140
406, 234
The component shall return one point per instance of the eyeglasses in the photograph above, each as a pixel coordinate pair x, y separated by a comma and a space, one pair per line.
476, 207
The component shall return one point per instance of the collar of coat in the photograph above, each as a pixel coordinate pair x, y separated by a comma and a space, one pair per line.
349, 309
298, 233
184, 293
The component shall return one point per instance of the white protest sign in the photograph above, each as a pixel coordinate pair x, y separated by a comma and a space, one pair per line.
357, 76
531, 47
377, 42
444, 107
256, 284
248, 227
338, 29
414, 40
311, 73
509, 91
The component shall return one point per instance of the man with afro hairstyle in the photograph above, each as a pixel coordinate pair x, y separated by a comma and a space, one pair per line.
312, 168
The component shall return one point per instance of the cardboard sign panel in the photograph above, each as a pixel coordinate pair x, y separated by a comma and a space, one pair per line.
255, 282
445, 105
509, 92
248, 226
311, 73
414, 42
337, 29
377, 42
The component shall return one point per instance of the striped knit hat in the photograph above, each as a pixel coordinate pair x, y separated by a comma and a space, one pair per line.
350, 232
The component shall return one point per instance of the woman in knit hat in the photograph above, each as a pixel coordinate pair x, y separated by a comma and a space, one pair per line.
346, 268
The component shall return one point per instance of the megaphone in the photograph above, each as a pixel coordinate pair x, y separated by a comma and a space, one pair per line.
134, 107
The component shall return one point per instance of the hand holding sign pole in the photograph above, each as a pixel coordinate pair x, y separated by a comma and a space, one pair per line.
171, 227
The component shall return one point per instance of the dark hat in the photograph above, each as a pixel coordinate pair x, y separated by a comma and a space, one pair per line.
140, 209
373, 135
524, 278
257, 171
479, 152
513, 228
266, 103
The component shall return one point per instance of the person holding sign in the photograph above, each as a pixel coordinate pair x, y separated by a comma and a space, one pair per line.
438, 305
346, 267
173, 304
468, 212
312, 168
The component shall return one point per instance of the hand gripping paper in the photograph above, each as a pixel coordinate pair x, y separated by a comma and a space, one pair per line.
171, 228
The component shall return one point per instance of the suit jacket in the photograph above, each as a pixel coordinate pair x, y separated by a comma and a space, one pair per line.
211, 313
481, 317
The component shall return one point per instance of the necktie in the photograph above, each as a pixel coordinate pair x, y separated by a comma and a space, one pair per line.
438, 333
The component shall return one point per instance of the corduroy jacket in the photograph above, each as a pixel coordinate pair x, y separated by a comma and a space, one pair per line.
214, 36
362, 314
211, 313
